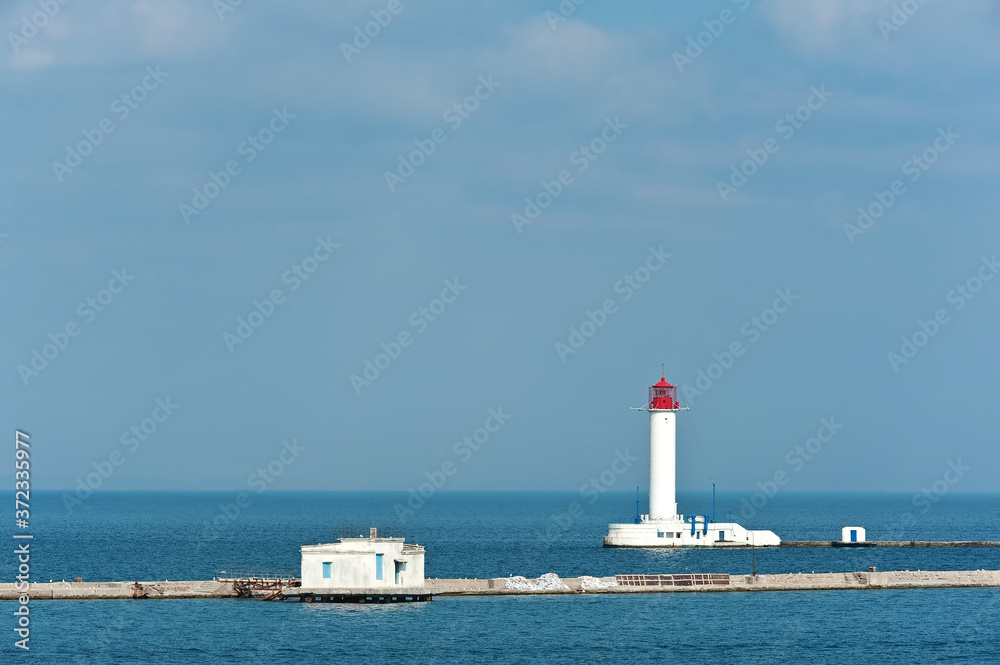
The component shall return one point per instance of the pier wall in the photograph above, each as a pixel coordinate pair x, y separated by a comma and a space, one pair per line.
120, 590
866, 580
892, 543
784, 582
497, 586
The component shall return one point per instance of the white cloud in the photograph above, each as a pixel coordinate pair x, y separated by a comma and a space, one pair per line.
36, 59
824, 23
165, 25
572, 49
114, 31
882, 35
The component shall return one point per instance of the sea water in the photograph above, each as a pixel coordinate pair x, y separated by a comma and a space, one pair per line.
132, 536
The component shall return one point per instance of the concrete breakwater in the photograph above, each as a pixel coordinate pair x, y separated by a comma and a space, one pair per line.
722, 582
120, 590
503, 586
892, 543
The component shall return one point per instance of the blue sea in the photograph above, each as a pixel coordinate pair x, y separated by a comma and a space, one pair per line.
155, 536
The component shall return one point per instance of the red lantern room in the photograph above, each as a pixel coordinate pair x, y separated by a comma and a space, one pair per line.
663, 395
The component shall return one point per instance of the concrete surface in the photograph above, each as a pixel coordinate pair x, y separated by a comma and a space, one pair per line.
496, 586
118, 590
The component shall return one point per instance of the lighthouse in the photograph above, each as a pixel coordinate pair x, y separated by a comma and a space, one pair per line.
664, 526
663, 409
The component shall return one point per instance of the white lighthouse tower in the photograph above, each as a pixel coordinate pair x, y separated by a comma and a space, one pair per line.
663, 408
664, 526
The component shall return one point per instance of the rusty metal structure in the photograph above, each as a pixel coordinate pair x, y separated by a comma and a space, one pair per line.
251, 584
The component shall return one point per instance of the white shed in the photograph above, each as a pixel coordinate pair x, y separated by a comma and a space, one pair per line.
363, 562
852, 534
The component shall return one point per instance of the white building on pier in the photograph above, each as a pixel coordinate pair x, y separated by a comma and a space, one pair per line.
363, 562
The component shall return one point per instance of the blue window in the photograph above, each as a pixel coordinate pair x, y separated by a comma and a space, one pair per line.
378, 566
722, 535
326, 570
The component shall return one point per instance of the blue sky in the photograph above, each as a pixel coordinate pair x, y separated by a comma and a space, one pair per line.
200, 90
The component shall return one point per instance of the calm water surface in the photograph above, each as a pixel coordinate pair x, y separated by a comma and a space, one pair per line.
154, 536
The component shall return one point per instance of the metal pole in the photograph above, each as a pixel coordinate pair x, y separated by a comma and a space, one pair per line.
713, 500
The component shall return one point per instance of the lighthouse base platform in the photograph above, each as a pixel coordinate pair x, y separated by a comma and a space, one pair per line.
678, 533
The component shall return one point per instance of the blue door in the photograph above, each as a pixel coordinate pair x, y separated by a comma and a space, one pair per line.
378, 566
326, 571
854, 535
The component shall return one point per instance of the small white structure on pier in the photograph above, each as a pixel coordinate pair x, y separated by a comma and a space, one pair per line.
663, 526
363, 562
852, 534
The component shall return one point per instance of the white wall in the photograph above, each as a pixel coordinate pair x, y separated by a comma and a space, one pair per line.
845, 534
662, 464
647, 535
353, 564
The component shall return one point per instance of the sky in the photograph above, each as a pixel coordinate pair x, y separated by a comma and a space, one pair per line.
458, 248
